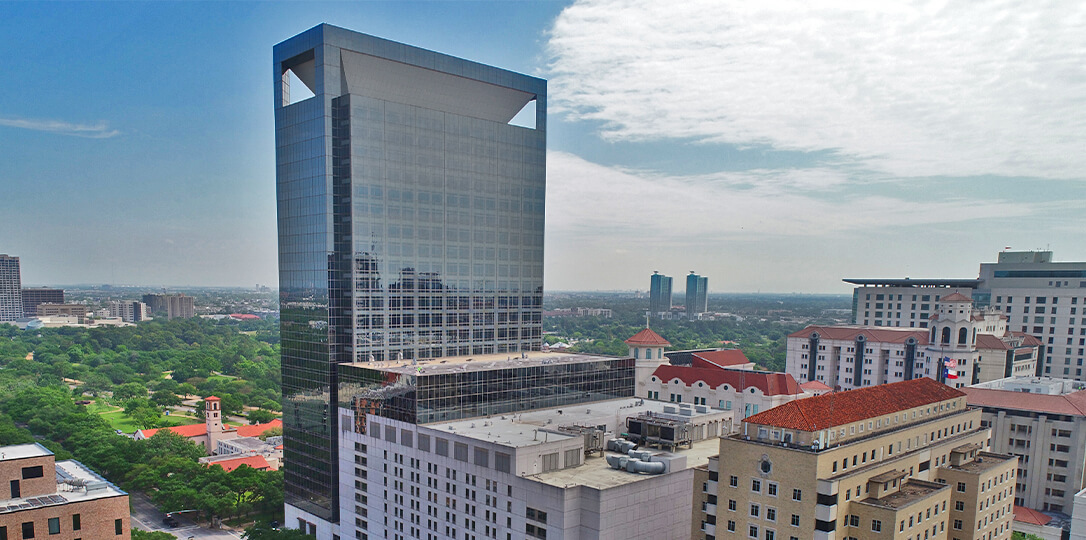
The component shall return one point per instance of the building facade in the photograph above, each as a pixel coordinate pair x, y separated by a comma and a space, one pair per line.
79, 311
410, 218
40, 295
44, 498
173, 306
659, 293
907, 303
11, 296
1044, 299
1046, 429
518, 447
129, 310
903, 461
962, 345
697, 295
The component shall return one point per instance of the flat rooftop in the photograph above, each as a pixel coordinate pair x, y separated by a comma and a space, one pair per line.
481, 362
75, 483
596, 473
907, 282
518, 430
910, 492
983, 462
23, 451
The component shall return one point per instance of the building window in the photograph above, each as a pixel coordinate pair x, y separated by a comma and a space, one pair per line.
731, 525
54, 525
28, 529
772, 489
797, 495
753, 531
958, 524
755, 510
795, 520
76, 525
756, 486
961, 487
733, 481
876, 525
118, 527
32, 472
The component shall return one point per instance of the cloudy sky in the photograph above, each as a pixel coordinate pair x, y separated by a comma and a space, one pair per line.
771, 146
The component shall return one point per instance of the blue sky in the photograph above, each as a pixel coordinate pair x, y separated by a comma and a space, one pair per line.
772, 148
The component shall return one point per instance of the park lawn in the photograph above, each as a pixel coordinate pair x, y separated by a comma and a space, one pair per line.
100, 406
118, 420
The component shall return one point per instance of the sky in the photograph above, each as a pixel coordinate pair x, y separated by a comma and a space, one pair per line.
772, 146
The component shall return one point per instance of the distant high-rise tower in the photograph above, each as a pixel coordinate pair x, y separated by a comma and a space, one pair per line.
410, 226
11, 289
659, 293
697, 294
32, 297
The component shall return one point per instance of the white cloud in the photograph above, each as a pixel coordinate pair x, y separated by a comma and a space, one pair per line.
91, 131
591, 203
910, 89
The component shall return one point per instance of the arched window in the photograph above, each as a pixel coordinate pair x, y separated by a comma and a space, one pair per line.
648, 353
963, 335
637, 353
946, 335
932, 340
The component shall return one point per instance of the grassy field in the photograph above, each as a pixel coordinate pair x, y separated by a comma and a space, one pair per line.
119, 421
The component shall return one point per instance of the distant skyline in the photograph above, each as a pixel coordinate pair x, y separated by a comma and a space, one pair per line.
777, 147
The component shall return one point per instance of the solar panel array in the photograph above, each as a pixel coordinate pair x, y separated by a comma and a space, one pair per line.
34, 502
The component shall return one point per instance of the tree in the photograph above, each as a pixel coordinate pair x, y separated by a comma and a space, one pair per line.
271, 432
260, 416
130, 390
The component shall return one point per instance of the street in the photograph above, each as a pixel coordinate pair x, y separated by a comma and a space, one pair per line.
147, 518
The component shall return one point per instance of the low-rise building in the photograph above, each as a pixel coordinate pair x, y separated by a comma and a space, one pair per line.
71, 310
905, 460
1043, 422
212, 431
43, 498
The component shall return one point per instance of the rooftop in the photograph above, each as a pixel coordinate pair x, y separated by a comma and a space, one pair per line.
910, 492
1073, 404
596, 474
531, 428
647, 337
907, 282
983, 462
840, 408
771, 384
229, 463
480, 362
723, 357
75, 483
882, 334
23, 451
1029, 515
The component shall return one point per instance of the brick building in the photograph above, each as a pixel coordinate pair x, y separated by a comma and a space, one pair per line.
43, 498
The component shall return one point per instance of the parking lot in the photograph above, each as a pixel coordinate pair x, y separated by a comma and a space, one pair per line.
147, 518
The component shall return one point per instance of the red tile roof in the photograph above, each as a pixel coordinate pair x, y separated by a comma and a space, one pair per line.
883, 334
256, 462
191, 430
1027, 339
956, 297
1073, 404
839, 408
771, 384
212, 398
244, 316
815, 386
257, 430
988, 341
1029, 515
647, 337
724, 358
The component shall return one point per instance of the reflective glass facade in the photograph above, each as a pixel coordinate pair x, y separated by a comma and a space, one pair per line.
455, 394
410, 223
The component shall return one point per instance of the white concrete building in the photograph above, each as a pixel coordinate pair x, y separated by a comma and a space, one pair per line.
1044, 299
906, 303
1043, 422
502, 447
975, 342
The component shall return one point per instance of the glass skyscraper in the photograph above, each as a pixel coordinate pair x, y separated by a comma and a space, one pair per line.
410, 216
659, 293
697, 294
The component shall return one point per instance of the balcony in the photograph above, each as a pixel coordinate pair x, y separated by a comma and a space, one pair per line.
710, 487
824, 535
708, 528
710, 509
826, 513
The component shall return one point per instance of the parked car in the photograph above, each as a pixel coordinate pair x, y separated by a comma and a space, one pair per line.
170, 521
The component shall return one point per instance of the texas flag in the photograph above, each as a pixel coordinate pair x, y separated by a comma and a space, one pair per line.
949, 374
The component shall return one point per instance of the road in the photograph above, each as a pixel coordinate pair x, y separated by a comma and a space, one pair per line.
147, 518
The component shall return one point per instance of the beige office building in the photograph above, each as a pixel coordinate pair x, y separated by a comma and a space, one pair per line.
904, 461
1043, 422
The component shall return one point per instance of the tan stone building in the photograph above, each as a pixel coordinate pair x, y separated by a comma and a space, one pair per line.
43, 498
903, 461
